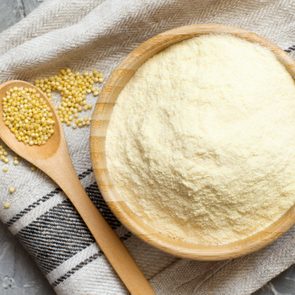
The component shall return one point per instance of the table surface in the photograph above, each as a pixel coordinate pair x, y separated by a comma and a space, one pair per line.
18, 273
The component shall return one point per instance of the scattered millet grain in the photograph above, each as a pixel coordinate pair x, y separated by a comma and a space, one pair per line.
6, 205
15, 161
3, 155
73, 88
5, 169
81, 122
11, 189
27, 115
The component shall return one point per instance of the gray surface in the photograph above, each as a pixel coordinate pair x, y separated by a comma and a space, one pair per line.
11, 11
18, 273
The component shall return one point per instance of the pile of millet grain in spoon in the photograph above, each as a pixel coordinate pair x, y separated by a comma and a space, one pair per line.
30, 119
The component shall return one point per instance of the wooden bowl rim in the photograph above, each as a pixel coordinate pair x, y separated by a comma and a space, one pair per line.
100, 119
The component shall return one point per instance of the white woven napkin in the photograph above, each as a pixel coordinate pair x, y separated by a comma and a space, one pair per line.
88, 34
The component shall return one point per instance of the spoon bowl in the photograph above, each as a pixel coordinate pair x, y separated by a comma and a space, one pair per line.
54, 160
34, 154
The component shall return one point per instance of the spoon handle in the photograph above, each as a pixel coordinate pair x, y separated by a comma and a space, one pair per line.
106, 238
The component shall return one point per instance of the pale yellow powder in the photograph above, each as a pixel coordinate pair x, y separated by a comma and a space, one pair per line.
202, 140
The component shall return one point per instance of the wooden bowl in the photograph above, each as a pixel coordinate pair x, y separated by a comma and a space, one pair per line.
100, 120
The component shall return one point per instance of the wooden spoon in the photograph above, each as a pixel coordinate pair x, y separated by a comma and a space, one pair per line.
54, 160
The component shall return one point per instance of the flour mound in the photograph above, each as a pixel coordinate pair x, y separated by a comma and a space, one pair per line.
201, 142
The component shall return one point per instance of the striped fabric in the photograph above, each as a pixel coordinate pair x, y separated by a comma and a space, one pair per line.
87, 34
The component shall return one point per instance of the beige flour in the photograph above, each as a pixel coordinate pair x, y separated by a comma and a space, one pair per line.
202, 140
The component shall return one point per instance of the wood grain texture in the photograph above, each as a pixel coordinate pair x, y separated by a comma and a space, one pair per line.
102, 114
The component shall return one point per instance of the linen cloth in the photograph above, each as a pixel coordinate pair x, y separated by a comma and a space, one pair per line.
88, 34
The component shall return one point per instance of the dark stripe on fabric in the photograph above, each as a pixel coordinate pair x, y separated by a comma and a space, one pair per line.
32, 206
290, 49
96, 197
85, 173
84, 263
77, 267
62, 230
42, 200
60, 233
